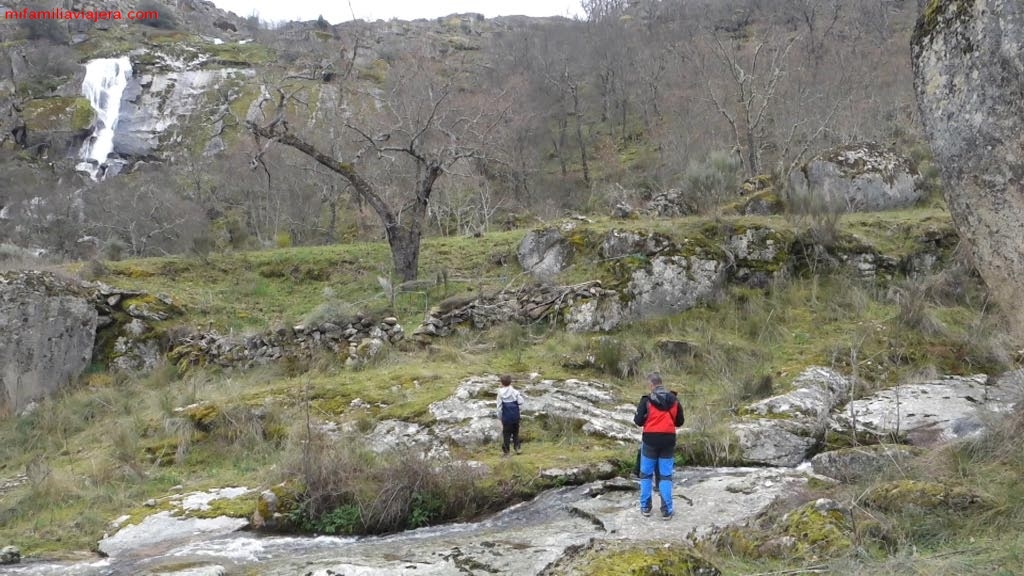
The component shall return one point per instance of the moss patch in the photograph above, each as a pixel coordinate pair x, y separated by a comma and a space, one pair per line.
940, 15
61, 114
818, 532
240, 507
914, 495
647, 560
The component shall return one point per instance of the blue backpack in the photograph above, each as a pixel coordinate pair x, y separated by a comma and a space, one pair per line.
510, 412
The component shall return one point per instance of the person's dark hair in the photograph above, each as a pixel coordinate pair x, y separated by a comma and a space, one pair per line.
505, 380
654, 378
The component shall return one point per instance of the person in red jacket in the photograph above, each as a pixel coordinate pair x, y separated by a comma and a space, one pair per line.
659, 413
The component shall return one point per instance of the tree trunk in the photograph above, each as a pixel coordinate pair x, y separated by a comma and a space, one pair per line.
405, 251
578, 114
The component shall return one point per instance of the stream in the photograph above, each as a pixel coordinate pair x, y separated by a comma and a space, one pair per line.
528, 538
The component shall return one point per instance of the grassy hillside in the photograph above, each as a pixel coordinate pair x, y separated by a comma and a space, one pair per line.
110, 444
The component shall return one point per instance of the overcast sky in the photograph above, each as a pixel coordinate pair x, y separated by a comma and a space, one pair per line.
335, 11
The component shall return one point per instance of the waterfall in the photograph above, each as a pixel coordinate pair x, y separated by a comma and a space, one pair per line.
105, 80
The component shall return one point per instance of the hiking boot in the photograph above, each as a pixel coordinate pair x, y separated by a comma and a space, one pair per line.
646, 511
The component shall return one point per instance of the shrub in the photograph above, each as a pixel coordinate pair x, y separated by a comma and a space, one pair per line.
167, 19
55, 31
93, 270
283, 240
349, 489
202, 246
706, 184
14, 257
331, 310
114, 249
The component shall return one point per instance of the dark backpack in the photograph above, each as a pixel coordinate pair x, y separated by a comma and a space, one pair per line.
510, 412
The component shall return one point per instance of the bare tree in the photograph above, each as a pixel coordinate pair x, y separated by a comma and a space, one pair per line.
753, 85
146, 212
404, 140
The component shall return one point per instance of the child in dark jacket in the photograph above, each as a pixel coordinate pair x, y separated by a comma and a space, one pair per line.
510, 401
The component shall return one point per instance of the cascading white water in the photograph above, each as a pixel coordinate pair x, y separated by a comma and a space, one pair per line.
105, 80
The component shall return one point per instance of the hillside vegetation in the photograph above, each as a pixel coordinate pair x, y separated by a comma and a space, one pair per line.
715, 102
116, 441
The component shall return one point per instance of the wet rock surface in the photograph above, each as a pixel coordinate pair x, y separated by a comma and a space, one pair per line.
525, 539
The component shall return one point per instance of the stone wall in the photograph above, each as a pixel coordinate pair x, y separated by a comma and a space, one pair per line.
357, 342
530, 304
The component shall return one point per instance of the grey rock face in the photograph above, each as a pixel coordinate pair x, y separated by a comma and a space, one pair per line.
931, 412
544, 253
773, 442
784, 430
601, 314
10, 555
670, 203
619, 243
672, 284
152, 105
47, 329
856, 178
968, 60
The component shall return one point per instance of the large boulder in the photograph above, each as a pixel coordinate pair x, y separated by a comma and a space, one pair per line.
603, 313
855, 178
785, 430
968, 60
47, 329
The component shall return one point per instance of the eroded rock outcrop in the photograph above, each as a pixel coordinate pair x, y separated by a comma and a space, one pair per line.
356, 341
544, 253
932, 412
47, 327
968, 60
468, 416
784, 430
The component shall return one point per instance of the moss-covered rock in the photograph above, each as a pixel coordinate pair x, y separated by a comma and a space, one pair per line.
59, 114
922, 496
676, 560
203, 416
150, 307
940, 15
820, 528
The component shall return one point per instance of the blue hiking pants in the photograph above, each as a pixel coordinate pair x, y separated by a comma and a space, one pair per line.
663, 460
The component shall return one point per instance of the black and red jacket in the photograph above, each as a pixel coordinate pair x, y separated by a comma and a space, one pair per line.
659, 414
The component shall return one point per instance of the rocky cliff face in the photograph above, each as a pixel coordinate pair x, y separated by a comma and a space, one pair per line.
47, 328
969, 77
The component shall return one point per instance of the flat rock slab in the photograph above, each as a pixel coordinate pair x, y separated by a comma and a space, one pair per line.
721, 496
932, 412
163, 529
